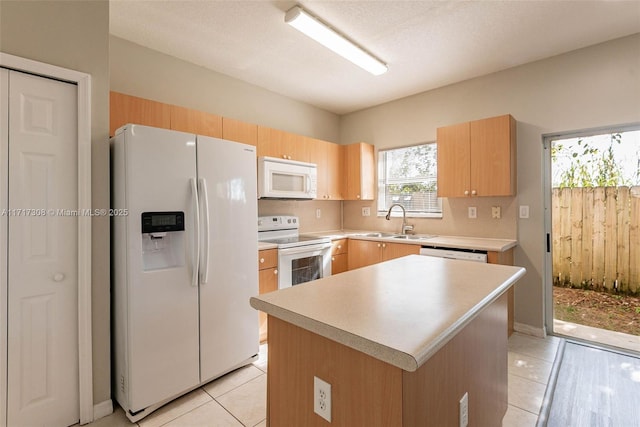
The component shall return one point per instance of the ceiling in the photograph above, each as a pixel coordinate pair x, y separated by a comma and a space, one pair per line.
426, 44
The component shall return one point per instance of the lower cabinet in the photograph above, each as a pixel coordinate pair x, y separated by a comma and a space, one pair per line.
505, 258
338, 256
267, 280
366, 252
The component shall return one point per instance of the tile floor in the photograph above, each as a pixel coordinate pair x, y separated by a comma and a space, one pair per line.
239, 398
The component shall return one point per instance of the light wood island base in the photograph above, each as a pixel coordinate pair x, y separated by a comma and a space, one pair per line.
369, 392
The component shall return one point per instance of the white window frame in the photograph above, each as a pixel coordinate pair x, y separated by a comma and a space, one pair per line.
381, 207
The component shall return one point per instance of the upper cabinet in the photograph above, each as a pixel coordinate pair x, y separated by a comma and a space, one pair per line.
359, 163
125, 109
194, 121
281, 144
238, 131
330, 161
477, 158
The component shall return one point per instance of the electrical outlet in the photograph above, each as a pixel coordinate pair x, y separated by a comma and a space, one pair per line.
473, 212
366, 211
464, 410
318, 213
496, 212
322, 398
524, 211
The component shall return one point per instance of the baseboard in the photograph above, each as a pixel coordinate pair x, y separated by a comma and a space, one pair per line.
102, 409
529, 330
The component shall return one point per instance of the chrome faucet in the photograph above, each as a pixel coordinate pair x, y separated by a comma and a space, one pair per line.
405, 227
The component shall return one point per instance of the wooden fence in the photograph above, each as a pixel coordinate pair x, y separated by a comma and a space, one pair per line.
596, 238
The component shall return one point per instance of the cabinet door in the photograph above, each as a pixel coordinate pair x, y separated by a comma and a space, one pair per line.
397, 250
362, 253
335, 171
339, 263
238, 131
268, 282
281, 144
125, 109
194, 121
454, 160
318, 154
360, 169
492, 156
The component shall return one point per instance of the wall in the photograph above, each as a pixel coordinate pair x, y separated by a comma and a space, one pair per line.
74, 35
136, 70
587, 88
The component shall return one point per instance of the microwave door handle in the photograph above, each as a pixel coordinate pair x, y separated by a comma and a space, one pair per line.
196, 233
308, 181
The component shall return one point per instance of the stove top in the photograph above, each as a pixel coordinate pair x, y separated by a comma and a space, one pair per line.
283, 231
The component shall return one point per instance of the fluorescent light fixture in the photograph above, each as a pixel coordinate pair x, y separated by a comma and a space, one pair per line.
299, 19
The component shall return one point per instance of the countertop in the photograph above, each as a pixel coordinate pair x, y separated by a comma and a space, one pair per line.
400, 311
460, 242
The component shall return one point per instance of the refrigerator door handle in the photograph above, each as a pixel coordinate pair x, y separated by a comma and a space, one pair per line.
204, 262
196, 233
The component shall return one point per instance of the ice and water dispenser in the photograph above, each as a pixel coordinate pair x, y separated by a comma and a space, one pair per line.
162, 240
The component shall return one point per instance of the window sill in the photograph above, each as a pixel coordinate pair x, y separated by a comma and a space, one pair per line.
411, 214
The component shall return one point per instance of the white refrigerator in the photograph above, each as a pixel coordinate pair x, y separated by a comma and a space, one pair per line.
184, 251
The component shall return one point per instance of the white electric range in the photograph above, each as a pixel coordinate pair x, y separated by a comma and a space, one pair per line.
301, 258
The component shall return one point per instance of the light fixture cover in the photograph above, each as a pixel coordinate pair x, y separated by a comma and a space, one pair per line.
302, 21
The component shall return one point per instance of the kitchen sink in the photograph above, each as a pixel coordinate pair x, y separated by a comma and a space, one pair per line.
414, 237
378, 235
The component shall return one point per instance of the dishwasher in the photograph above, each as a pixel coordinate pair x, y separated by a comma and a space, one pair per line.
454, 253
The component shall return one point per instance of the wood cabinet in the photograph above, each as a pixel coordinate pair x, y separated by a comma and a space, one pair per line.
477, 158
239, 131
339, 254
194, 121
505, 258
359, 166
125, 109
366, 252
267, 281
330, 161
281, 144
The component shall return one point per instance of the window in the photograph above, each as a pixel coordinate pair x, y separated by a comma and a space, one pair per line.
408, 176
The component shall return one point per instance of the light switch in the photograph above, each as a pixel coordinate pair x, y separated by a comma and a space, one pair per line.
524, 211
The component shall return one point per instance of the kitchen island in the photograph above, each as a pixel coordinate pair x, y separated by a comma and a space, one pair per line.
400, 342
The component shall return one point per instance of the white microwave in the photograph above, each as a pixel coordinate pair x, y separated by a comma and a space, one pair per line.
286, 179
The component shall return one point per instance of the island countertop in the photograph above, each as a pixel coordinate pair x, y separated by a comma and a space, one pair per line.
400, 311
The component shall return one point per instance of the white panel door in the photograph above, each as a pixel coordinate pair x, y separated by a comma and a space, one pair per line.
42, 253
228, 325
4, 174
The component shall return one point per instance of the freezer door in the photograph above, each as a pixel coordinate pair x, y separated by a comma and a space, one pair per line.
228, 275
157, 305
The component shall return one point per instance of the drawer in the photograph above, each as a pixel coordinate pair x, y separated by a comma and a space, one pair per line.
339, 247
267, 258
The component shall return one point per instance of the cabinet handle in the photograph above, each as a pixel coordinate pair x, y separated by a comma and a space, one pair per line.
358, 196
339, 246
379, 245
333, 258
466, 192
474, 192
329, 196
275, 271
261, 260
384, 245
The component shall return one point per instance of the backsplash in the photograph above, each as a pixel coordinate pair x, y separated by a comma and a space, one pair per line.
330, 213
454, 222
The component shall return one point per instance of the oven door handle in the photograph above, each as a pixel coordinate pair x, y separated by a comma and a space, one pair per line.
304, 249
